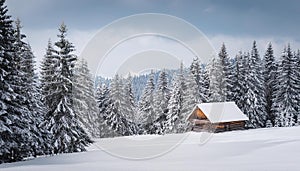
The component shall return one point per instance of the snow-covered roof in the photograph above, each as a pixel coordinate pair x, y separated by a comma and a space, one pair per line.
222, 112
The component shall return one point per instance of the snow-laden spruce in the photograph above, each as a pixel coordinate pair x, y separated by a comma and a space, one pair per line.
111, 110
254, 105
61, 119
161, 100
287, 90
102, 98
269, 73
20, 114
174, 115
84, 99
146, 105
221, 77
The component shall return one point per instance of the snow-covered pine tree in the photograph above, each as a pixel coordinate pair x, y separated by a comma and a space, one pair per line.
227, 73
221, 77
102, 98
47, 73
15, 117
240, 85
255, 102
201, 78
128, 103
116, 92
195, 69
286, 90
298, 85
61, 119
269, 74
146, 105
161, 99
84, 99
30, 90
114, 116
174, 116
204, 84
215, 77
190, 98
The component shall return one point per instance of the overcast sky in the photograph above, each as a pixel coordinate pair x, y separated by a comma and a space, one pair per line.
235, 22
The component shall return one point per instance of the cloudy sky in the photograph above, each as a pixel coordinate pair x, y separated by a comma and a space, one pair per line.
235, 22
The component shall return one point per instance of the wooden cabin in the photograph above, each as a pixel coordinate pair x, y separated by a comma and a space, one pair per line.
217, 117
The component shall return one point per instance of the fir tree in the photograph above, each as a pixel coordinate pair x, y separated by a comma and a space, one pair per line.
113, 115
286, 90
269, 74
241, 85
15, 117
201, 79
62, 121
161, 98
227, 74
255, 103
195, 69
48, 71
215, 77
146, 105
102, 98
84, 101
40, 136
298, 85
204, 85
174, 119
128, 103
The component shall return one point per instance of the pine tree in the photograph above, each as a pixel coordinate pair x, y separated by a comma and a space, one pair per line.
128, 103
40, 136
175, 120
286, 90
15, 117
215, 77
161, 99
241, 85
202, 80
196, 70
227, 74
116, 92
48, 72
62, 120
204, 85
102, 98
298, 85
269, 74
255, 105
84, 101
113, 115
146, 105
190, 98
221, 77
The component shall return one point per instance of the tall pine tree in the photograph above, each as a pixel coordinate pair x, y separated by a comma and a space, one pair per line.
84, 99
16, 132
146, 105
269, 74
286, 90
62, 120
255, 102
175, 120
30, 90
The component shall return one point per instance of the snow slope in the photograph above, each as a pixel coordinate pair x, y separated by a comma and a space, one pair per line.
260, 149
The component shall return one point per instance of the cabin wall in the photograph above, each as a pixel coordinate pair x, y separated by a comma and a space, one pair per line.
218, 127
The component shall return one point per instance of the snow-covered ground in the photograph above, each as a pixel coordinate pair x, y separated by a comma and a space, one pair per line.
261, 149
